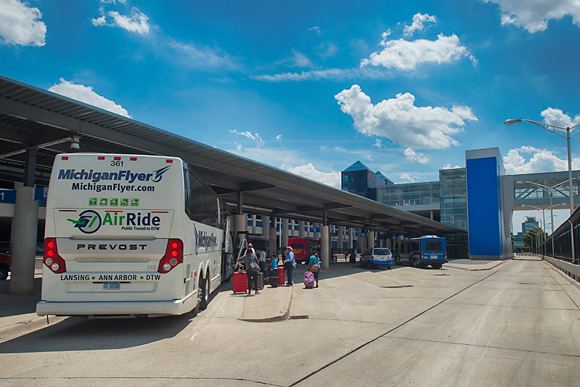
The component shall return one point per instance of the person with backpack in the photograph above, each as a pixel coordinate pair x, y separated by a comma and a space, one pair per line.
250, 262
314, 266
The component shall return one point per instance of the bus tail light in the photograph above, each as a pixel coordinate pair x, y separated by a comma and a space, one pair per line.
51, 258
173, 256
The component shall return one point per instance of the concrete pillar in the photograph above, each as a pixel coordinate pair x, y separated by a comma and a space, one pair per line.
371, 239
340, 239
265, 225
301, 229
254, 220
350, 238
284, 232
239, 224
24, 228
325, 247
273, 239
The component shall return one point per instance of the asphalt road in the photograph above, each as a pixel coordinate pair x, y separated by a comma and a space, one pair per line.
517, 324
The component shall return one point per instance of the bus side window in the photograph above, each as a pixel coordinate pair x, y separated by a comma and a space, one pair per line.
201, 203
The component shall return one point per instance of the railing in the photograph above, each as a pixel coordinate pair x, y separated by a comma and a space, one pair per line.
561, 248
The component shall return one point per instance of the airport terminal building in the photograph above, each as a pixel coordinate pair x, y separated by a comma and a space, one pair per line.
479, 198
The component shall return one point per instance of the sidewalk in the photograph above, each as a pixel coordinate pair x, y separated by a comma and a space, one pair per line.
16, 312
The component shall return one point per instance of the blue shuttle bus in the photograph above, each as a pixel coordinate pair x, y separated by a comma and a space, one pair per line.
424, 251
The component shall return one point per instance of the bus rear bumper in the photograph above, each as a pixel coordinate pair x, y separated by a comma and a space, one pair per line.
120, 309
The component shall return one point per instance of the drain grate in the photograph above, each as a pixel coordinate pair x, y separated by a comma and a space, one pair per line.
300, 317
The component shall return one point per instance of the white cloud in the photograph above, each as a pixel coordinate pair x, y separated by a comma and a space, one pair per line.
419, 21
87, 95
252, 136
378, 143
527, 159
303, 76
332, 74
400, 120
309, 171
406, 55
298, 59
534, 16
137, 22
410, 154
20, 24
279, 137
410, 177
448, 166
558, 118
102, 21
191, 56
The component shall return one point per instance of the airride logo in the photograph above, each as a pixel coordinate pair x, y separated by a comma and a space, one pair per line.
90, 221
126, 175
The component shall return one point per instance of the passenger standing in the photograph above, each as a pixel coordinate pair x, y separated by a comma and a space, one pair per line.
314, 265
262, 258
250, 262
289, 265
274, 262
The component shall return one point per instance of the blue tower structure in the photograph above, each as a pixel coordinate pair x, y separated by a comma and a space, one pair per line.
487, 201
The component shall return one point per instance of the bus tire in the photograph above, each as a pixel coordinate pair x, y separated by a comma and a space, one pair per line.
416, 263
203, 298
436, 266
3, 272
389, 266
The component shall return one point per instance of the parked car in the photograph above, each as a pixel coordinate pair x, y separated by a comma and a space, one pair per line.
378, 257
5, 263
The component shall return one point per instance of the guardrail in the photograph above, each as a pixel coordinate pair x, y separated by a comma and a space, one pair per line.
562, 248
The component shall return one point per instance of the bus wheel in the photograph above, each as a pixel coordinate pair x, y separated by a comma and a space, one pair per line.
203, 294
436, 266
3, 272
416, 262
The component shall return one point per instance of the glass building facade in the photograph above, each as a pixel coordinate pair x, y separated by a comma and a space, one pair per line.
410, 194
454, 197
360, 180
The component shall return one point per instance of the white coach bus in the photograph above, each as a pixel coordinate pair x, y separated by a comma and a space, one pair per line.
131, 235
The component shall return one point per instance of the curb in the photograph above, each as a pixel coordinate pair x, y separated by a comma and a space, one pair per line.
477, 268
13, 330
284, 311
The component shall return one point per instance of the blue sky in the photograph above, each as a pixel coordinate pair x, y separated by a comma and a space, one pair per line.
313, 86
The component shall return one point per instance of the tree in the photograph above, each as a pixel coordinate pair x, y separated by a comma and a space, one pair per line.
534, 237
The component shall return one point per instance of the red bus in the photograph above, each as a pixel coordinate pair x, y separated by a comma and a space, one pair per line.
303, 248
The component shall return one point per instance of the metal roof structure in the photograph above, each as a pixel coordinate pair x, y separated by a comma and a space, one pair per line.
32, 118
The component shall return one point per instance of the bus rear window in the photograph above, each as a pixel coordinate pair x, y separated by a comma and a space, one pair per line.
433, 245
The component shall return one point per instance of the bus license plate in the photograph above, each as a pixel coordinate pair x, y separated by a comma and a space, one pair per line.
111, 285
433, 256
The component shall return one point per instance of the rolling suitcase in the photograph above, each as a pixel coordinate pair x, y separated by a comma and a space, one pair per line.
240, 282
308, 279
281, 279
273, 278
260, 282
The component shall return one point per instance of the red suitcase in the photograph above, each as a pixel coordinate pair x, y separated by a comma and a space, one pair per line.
281, 279
240, 282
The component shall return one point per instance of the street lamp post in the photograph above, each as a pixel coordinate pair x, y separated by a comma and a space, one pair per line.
552, 128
